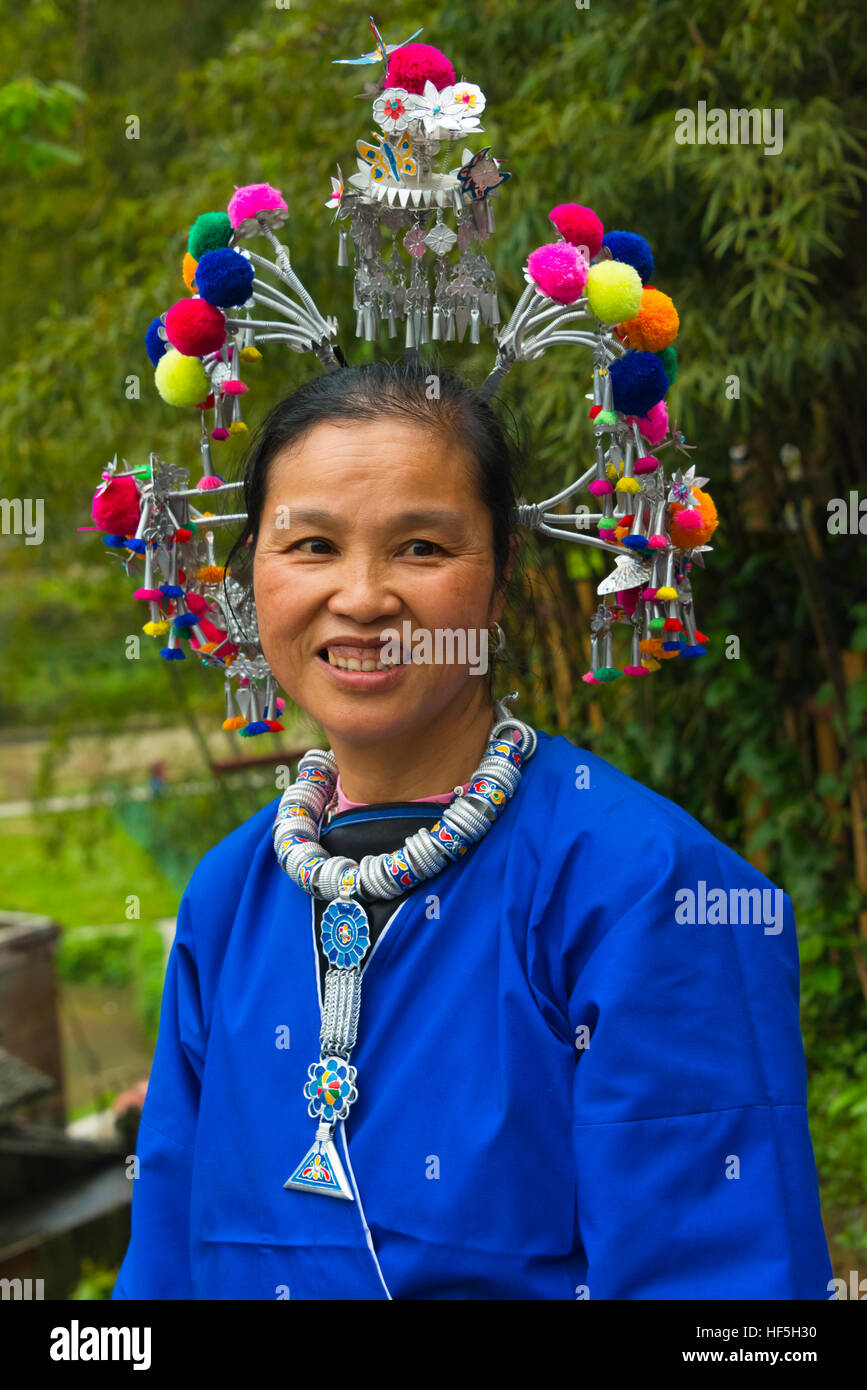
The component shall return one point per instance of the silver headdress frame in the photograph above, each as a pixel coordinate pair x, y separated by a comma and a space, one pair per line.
402, 199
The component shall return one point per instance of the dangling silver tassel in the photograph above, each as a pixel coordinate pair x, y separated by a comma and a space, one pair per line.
392, 326
492, 226
205, 447
410, 330
475, 320
436, 328
342, 252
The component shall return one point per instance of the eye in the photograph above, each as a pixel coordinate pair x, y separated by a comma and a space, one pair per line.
312, 540
433, 547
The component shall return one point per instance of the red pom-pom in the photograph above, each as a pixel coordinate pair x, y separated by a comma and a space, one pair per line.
414, 64
116, 510
673, 625
579, 225
207, 404
195, 327
183, 535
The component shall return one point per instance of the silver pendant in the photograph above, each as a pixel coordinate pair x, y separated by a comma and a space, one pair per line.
320, 1170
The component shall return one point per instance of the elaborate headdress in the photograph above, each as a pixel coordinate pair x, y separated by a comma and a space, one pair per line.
586, 287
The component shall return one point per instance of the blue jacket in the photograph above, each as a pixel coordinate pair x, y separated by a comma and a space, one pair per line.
580, 1073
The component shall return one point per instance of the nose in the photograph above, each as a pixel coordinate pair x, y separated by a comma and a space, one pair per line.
363, 590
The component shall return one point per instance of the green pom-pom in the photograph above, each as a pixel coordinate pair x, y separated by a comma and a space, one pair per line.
668, 358
609, 523
210, 232
606, 417
656, 624
607, 673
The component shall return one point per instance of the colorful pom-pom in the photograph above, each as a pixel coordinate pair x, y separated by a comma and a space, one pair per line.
668, 358
579, 225
224, 278
180, 380
655, 326
628, 485
614, 291
558, 270
211, 480
590, 679
188, 270
638, 381
646, 464
664, 594
607, 673
247, 202
172, 654
195, 327
693, 526
635, 671
600, 487
633, 250
117, 508
210, 231
158, 629
155, 345
654, 425
414, 64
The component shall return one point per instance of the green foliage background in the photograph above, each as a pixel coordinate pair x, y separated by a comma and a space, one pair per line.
764, 256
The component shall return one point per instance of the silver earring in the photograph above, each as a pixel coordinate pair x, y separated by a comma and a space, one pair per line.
501, 640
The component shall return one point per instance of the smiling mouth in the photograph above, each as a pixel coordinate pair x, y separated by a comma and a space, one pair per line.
355, 659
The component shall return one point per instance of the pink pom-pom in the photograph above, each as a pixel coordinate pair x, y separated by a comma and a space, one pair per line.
197, 603
653, 425
657, 543
234, 388
116, 509
212, 479
590, 679
558, 270
218, 433
195, 327
600, 487
690, 519
635, 671
414, 64
280, 703
646, 464
628, 600
254, 198
578, 225
152, 595
648, 594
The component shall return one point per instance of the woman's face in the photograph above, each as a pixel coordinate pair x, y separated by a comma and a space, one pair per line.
366, 527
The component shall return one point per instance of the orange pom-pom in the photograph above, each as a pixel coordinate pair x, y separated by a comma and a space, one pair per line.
236, 722
656, 324
688, 539
211, 574
188, 270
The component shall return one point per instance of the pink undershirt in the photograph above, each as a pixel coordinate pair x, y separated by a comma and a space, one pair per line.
344, 804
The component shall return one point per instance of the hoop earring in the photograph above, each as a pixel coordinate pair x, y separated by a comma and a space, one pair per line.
501, 641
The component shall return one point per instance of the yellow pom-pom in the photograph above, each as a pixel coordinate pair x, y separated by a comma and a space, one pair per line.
236, 722
250, 354
666, 592
614, 471
620, 532
237, 427
188, 270
211, 574
614, 291
156, 629
656, 324
627, 485
650, 664
181, 380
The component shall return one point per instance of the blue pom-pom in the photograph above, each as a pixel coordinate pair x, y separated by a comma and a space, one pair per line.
138, 546
171, 590
224, 278
635, 542
114, 542
185, 620
257, 727
697, 650
155, 345
624, 246
672, 646
173, 654
638, 381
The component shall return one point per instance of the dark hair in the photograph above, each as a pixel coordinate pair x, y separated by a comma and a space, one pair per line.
369, 392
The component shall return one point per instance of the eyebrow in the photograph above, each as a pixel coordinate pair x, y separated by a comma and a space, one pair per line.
432, 516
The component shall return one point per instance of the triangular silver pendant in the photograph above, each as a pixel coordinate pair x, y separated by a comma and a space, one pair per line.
320, 1170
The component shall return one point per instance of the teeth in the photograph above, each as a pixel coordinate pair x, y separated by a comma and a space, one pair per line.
352, 663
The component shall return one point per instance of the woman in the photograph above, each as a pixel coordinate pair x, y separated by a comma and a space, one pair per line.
564, 1088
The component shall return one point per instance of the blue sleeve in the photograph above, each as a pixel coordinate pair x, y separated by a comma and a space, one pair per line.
695, 1170
157, 1262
